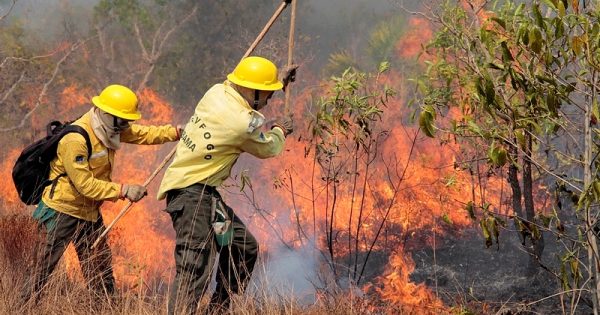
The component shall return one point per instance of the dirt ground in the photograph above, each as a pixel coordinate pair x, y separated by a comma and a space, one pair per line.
463, 271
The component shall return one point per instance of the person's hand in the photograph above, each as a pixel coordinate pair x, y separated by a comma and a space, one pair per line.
286, 124
289, 75
180, 129
134, 192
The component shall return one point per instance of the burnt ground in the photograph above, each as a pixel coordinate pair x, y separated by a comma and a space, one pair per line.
492, 280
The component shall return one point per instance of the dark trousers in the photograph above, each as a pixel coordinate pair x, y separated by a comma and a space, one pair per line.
95, 264
192, 211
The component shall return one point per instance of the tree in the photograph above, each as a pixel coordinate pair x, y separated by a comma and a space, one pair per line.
345, 137
523, 77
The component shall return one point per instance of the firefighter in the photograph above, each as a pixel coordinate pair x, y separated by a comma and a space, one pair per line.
69, 209
226, 123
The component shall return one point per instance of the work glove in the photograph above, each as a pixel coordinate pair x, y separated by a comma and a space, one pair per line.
134, 192
180, 129
289, 75
286, 124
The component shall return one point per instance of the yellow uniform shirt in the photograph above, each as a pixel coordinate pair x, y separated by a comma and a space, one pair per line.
88, 182
222, 127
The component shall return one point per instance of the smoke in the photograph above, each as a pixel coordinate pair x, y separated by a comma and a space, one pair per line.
330, 25
288, 271
46, 22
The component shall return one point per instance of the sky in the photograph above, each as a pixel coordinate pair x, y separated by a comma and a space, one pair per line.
325, 21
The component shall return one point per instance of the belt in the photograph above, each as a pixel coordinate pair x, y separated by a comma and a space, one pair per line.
195, 189
202, 188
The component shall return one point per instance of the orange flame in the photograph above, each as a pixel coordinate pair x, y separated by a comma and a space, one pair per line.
8, 194
431, 190
419, 32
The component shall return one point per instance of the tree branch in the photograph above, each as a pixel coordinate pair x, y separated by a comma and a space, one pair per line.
9, 9
46, 85
12, 88
156, 52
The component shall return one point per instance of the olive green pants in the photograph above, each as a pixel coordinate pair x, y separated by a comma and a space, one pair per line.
62, 229
192, 212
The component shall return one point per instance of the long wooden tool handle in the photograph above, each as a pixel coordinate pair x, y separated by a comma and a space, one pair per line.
109, 227
129, 204
266, 29
290, 61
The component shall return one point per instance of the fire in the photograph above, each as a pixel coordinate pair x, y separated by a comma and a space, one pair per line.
413, 202
400, 292
8, 194
432, 192
157, 109
410, 45
72, 98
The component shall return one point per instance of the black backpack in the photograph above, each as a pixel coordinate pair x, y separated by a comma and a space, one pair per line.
32, 169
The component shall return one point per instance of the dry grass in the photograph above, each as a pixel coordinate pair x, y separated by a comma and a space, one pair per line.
65, 294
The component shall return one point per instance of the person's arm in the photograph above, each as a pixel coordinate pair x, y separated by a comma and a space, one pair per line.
139, 134
73, 152
264, 144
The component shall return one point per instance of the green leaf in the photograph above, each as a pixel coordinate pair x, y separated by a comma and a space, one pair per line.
486, 233
384, 66
537, 14
535, 232
595, 30
596, 189
559, 28
426, 123
523, 230
577, 45
564, 278
450, 181
500, 21
525, 37
497, 156
493, 226
535, 40
479, 86
552, 103
473, 127
490, 93
447, 219
562, 11
506, 54
471, 210
492, 65
550, 3
519, 9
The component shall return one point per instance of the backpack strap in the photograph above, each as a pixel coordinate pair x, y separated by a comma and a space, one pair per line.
88, 143
81, 131
50, 128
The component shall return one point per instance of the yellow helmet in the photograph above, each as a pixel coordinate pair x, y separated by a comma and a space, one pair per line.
118, 101
256, 73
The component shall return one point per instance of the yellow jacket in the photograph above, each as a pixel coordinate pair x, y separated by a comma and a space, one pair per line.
221, 128
88, 183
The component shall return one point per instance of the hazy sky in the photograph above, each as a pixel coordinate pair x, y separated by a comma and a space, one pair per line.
46, 15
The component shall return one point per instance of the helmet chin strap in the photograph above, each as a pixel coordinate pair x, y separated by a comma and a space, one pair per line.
114, 126
255, 105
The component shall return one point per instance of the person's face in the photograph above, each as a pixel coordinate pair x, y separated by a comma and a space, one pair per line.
116, 124
263, 98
